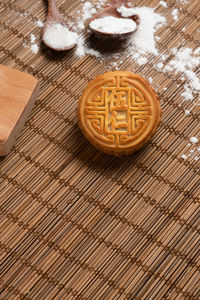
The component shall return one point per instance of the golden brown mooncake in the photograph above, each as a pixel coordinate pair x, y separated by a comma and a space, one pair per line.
119, 112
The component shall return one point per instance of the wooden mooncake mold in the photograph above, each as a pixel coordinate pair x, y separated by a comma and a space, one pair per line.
119, 112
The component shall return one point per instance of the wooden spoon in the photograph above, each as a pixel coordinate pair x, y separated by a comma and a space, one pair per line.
111, 11
54, 17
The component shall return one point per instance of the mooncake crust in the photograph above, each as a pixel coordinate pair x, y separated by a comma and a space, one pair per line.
119, 112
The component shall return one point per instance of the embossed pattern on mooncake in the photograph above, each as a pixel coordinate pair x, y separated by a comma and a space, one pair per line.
119, 112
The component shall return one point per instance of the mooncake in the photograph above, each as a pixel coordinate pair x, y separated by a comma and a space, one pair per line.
119, 112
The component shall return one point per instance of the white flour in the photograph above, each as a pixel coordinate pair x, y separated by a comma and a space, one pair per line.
182, 1
34, 48
187, 112
87, 12
163, 3
175, 14
194, 140
80, 49
192, 154
160, 65
143, 41
126, 12
58, 36
113, 25
32, 38
39, 24
184, 61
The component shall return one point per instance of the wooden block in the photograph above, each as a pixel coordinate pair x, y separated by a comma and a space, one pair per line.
18, 92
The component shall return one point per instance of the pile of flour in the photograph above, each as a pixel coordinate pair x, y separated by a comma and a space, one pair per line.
57, 36
112, 25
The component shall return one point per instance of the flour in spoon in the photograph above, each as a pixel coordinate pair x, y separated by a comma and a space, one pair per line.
57, 36
113, 25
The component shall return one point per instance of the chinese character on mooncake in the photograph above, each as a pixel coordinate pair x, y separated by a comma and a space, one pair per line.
119, 112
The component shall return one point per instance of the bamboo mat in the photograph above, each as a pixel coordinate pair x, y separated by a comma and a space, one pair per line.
77, 223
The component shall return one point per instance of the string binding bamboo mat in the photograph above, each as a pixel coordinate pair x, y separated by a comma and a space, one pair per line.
79, 224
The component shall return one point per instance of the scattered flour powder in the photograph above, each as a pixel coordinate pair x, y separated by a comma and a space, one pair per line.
194, 152
183, 156
34, 48
175, 14
87, 12
194, 140
182, 1
40, 24
184, 61
32, 38
58, 36
150, 80
160, 65
187, 112
163, 3
113, 25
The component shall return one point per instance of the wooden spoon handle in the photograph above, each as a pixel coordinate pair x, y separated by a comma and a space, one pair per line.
53, 10
118, 3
